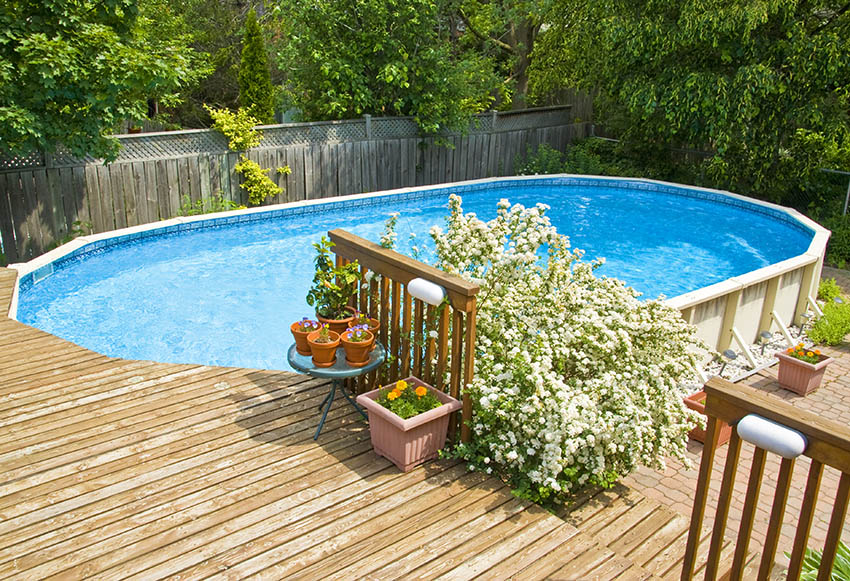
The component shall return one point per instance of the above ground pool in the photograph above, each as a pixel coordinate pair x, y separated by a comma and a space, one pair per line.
223, 291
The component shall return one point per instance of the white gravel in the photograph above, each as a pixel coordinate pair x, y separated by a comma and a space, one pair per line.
740, 367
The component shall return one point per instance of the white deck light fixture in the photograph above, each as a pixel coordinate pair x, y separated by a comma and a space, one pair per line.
426, 291
771, 436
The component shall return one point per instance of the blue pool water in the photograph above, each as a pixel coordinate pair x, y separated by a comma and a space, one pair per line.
225, 295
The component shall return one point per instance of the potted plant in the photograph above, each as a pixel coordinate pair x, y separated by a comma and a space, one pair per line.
333, 287
300, 330
357, 342
323, 344
408, 421
372, 324
801, 369
696, 401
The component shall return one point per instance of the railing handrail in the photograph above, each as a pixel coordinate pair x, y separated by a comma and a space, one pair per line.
448, 353
828, 441
827, 444
402, 268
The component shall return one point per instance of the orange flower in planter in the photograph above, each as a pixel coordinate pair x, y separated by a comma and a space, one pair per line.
421, 390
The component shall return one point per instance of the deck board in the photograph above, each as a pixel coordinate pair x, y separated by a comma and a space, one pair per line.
140, 470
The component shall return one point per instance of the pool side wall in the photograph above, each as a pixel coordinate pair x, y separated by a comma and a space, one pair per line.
748, 303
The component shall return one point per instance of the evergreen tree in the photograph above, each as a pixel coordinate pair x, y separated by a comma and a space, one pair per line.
256, 93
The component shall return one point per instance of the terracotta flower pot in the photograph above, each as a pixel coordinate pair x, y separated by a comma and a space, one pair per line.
374, 325
696, 401
798, 376
324, 354
408, 443
336, 325
357, 352
301, 344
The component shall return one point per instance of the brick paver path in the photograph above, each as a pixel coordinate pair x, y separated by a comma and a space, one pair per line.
676, 485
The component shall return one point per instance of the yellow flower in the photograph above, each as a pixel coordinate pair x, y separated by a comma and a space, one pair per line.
421, 390
401, 385
392, 395
809, 354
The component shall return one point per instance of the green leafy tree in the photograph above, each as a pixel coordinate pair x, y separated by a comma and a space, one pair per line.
71, 71
346, 58
215, 29
256, 92
763, 86
505, 32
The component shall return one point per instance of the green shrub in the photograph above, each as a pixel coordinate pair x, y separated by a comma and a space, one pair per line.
546, 160
237, 127
833, 326
828, 290
838, 250
256, 182
605, 157
207, 206
812, 560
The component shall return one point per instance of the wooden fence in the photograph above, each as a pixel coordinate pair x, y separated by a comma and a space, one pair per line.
42, 199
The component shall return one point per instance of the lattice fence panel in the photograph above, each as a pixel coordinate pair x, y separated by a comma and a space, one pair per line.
482, 123
312, 133
394, 128
172, 144
31, 160
175, 144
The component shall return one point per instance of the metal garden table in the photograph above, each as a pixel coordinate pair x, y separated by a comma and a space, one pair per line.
336, 373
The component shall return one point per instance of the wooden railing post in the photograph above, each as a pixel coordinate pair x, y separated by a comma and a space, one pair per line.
468, 371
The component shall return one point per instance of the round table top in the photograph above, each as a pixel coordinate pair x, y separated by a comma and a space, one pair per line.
340, 369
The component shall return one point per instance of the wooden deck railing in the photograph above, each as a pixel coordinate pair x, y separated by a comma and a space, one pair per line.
445, 361
828, 445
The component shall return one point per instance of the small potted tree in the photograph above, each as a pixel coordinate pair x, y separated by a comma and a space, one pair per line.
333, 287
408, 421
800, 369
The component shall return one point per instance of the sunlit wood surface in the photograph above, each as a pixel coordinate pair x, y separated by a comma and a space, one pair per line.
133, 469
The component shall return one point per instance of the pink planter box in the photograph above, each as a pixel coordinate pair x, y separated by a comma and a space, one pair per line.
408, 443
798, 376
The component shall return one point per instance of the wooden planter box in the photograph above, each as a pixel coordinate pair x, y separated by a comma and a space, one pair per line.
408, 443
798, 376
696, 401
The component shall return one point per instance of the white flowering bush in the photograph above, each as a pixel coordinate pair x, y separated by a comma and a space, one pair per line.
576, 380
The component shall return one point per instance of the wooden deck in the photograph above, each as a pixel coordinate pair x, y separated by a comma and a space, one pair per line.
120, 469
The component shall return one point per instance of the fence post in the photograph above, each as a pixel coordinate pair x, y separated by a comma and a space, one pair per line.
368, 119
494, 117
